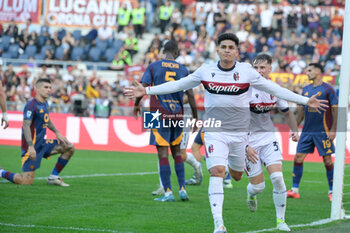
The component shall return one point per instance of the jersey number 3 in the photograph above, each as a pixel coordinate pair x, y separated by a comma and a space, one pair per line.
169, 76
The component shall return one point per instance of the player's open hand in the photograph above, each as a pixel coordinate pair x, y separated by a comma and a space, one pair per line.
135, 91
32, 153
318, 105
251, 154
4, 121
137, 111
61, 139
294, 136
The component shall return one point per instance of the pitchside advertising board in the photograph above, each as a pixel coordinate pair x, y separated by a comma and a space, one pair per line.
121, 133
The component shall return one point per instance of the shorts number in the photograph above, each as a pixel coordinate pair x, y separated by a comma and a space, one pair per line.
169, 76
326, 143
275, 144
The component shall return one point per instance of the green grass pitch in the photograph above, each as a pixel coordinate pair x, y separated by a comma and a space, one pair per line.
122, 202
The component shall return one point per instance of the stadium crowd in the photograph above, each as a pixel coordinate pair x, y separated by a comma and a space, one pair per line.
307, 32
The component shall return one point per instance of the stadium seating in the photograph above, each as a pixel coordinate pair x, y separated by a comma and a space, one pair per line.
13, 50
5, 41
30, 50
77, 35
94, 54
77, 53
59, 53
109, 54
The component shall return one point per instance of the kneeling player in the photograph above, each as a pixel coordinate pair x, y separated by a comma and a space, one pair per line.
263, 147
34, 145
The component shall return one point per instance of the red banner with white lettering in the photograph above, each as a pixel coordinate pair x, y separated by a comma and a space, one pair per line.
122, 133
84, 13
20, 10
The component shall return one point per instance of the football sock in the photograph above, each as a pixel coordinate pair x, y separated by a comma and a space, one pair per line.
180, 171
7, 175
216, 197
160, 180
329, 170
165, 172
191, 160
254, 189
279, 194
61, 163
297, 174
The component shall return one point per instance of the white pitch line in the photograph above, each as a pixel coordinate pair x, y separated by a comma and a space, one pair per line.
61, 228
316, 223
98, 175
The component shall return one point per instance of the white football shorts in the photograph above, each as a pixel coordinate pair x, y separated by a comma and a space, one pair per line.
222, 146
268, 154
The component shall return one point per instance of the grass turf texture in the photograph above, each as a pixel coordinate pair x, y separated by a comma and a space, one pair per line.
125, 203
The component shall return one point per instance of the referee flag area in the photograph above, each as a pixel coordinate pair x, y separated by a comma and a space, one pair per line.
111, 192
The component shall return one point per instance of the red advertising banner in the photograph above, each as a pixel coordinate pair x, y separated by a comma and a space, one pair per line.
84, 13
123, 133
296, 79
20, 10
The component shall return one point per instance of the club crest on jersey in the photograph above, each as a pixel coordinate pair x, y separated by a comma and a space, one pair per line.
210, 148
236, 76
212, 75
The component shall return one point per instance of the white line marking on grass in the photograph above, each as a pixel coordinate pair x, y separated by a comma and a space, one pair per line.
98, 175
60, 228
316, 223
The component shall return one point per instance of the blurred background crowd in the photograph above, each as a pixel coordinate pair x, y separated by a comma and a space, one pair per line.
294, 32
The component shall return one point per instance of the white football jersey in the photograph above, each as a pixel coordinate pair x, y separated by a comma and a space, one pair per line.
261, 126
227, 93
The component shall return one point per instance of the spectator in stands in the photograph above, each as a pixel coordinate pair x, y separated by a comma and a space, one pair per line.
121, 59
23, 90
12, 29
138, 19
165, 12
103, 106
67, 43
46, 30
292, 22
131, 44
176, 18
29, 26
297, 65
91, 36
303, 26
337, 22
184, 58
266, 20
313, 21
105, 33
325, 21
200, 18
124, 14
69, 75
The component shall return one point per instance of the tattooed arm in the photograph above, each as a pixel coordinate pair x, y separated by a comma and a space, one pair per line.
28, 137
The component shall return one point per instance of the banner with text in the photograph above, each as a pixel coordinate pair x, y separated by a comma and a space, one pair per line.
123, 133
20, 10
84, 13
298, 79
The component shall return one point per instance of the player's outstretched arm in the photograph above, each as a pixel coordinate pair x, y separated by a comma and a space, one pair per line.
318, 105
137, 109
292, 122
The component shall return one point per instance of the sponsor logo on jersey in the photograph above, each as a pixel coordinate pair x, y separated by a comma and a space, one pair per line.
41, 110
212, 75
236, 76
226, 88
261, 107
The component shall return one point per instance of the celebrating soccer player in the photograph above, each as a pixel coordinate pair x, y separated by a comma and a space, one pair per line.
226, 99
319, 129
168, 71
34, 145
263, 146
